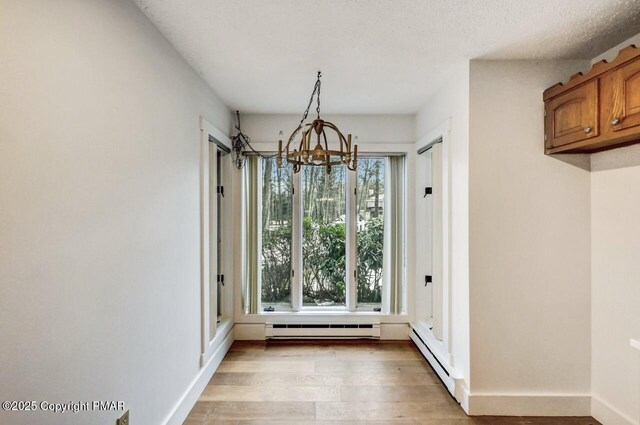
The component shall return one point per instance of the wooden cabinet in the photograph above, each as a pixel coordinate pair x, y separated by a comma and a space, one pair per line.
625, 106
596, 111
572, 116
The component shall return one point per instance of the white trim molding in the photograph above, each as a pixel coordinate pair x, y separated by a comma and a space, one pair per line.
605, 413
440, 316
250, 331
394, 331
529, 404
208, 232
213, 131
181, 410
333, 316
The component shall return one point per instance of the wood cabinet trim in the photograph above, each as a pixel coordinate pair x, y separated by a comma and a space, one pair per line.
593, 145
625, 55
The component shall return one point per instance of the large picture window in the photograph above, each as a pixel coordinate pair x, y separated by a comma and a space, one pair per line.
276, 235
320, 239
324, 256
370, 231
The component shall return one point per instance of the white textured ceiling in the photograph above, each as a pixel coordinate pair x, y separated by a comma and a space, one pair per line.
376, 56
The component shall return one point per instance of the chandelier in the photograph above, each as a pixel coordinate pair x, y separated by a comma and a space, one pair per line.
345, 153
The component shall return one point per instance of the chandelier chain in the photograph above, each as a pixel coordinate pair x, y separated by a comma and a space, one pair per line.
316, 89
319, 84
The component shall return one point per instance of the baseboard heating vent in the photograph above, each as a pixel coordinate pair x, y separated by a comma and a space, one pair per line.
441, 369
322, 330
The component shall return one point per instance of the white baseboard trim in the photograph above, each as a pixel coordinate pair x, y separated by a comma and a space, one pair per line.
250, 331
393, 331
608, 415
462, 395
529, 404
180, 412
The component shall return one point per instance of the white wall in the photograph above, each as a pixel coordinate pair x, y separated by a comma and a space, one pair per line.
615, 267
529, 239
368, 128
615, 244
99, 216
452, 102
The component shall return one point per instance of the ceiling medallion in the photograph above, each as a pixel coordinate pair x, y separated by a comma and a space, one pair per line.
320, 155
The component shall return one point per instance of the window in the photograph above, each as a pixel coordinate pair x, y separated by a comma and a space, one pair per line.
276, 227
324, 256
320, 240
370, 231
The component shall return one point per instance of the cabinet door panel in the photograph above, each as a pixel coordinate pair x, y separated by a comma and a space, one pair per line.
626, 97
573, 116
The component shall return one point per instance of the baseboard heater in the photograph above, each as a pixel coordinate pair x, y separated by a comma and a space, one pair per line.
322, 330
441, 370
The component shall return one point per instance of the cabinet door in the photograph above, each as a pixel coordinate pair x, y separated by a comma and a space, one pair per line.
573, 116
625, 112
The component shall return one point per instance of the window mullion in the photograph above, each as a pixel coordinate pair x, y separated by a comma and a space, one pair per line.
351, 223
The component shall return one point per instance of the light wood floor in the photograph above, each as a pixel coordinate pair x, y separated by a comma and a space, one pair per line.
334, 383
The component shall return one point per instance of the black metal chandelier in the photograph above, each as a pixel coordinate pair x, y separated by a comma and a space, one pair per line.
345, 153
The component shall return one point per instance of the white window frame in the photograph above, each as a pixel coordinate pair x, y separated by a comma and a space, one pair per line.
435, 325
350, 248
213, 330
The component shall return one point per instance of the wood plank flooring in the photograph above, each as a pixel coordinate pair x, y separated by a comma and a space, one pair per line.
335, 383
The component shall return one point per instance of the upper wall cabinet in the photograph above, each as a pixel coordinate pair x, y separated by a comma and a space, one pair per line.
625, 105
573, 116
596, 111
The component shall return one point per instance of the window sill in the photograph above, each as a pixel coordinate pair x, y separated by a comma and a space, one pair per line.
313, 309
322, 317
322, 312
